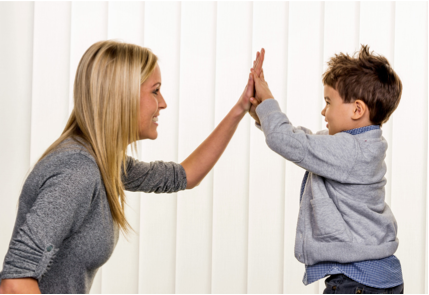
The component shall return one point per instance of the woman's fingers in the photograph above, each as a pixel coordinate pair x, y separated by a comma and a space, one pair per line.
249, 88
254, 101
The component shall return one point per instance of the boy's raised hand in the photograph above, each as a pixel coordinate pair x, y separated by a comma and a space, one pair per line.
257, 68
258, 62
262, 91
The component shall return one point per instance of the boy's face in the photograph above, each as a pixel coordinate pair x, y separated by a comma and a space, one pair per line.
336, 112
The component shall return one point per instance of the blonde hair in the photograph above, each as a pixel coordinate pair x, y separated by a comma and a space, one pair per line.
106, 111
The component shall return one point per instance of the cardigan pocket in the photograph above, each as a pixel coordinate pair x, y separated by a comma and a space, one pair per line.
327, 222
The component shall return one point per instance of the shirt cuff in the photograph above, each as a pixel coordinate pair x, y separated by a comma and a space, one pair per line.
267, 107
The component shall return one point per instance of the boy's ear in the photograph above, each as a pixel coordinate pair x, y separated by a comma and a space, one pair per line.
359, 109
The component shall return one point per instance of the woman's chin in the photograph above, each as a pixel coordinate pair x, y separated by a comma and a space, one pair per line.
148, 136
152, 136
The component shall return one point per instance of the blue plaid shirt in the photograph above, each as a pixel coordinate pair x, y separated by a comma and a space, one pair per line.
382, 273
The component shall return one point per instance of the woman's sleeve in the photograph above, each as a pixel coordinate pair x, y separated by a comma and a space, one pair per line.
157, 177
63, 201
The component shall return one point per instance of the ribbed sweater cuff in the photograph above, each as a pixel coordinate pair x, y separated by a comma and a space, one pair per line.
266, 108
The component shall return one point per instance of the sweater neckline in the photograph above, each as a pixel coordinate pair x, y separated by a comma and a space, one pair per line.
360, 130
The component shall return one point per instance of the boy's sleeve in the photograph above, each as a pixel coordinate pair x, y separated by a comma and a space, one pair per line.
157, 177
330, 156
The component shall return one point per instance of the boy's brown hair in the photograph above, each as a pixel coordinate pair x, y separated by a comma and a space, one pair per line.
367, 77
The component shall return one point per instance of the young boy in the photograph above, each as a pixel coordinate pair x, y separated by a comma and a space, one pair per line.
345, 229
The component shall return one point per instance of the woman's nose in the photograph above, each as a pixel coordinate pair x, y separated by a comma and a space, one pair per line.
162, 104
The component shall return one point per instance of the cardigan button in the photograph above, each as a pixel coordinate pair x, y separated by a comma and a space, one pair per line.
334, 287
49, 248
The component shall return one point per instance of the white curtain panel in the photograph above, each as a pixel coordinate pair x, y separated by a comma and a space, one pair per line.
235, 232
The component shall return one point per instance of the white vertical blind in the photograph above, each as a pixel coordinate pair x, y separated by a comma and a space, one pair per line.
157, 256
230, 214
266, 202
410, 141
341, 28
51, 50
196, 121
16, 59
235, 232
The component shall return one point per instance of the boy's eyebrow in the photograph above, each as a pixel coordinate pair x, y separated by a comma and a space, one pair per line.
327, 98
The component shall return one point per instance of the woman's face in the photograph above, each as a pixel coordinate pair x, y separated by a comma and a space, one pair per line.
151, 103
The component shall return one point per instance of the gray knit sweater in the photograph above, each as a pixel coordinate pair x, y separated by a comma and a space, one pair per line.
343, 216
64, 231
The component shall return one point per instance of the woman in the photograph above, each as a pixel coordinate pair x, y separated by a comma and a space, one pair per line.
72, 204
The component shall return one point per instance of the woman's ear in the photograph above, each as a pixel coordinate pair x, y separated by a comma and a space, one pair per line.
359, 109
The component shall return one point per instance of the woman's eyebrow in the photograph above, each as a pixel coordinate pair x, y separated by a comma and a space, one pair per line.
156, 84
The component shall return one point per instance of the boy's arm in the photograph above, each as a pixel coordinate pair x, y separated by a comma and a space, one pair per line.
330, 156
325, 155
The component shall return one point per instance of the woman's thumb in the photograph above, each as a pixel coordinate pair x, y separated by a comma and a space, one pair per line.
254, 101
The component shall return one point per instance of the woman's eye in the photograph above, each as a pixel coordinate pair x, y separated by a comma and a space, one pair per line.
156, 92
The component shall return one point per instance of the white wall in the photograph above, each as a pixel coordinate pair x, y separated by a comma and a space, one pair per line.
235, 232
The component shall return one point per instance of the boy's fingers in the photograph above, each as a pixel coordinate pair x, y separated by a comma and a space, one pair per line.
256, 61
261, 61
255, 74
262, 75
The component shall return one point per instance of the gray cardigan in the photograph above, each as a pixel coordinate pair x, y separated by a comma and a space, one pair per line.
343, 216
64, 231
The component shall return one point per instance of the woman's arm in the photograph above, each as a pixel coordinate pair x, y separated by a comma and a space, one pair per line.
202, 160
164, 177
19, 286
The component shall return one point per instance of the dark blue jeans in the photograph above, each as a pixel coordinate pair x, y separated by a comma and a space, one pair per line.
341, 284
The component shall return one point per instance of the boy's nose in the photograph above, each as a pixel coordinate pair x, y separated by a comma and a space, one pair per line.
323, 112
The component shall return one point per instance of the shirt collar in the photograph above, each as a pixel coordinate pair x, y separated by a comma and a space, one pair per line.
362, 129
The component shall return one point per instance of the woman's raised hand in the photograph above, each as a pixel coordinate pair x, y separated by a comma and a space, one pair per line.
202, 160
249, 91
256, 70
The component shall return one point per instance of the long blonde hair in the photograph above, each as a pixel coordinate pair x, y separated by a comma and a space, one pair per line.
106, 111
